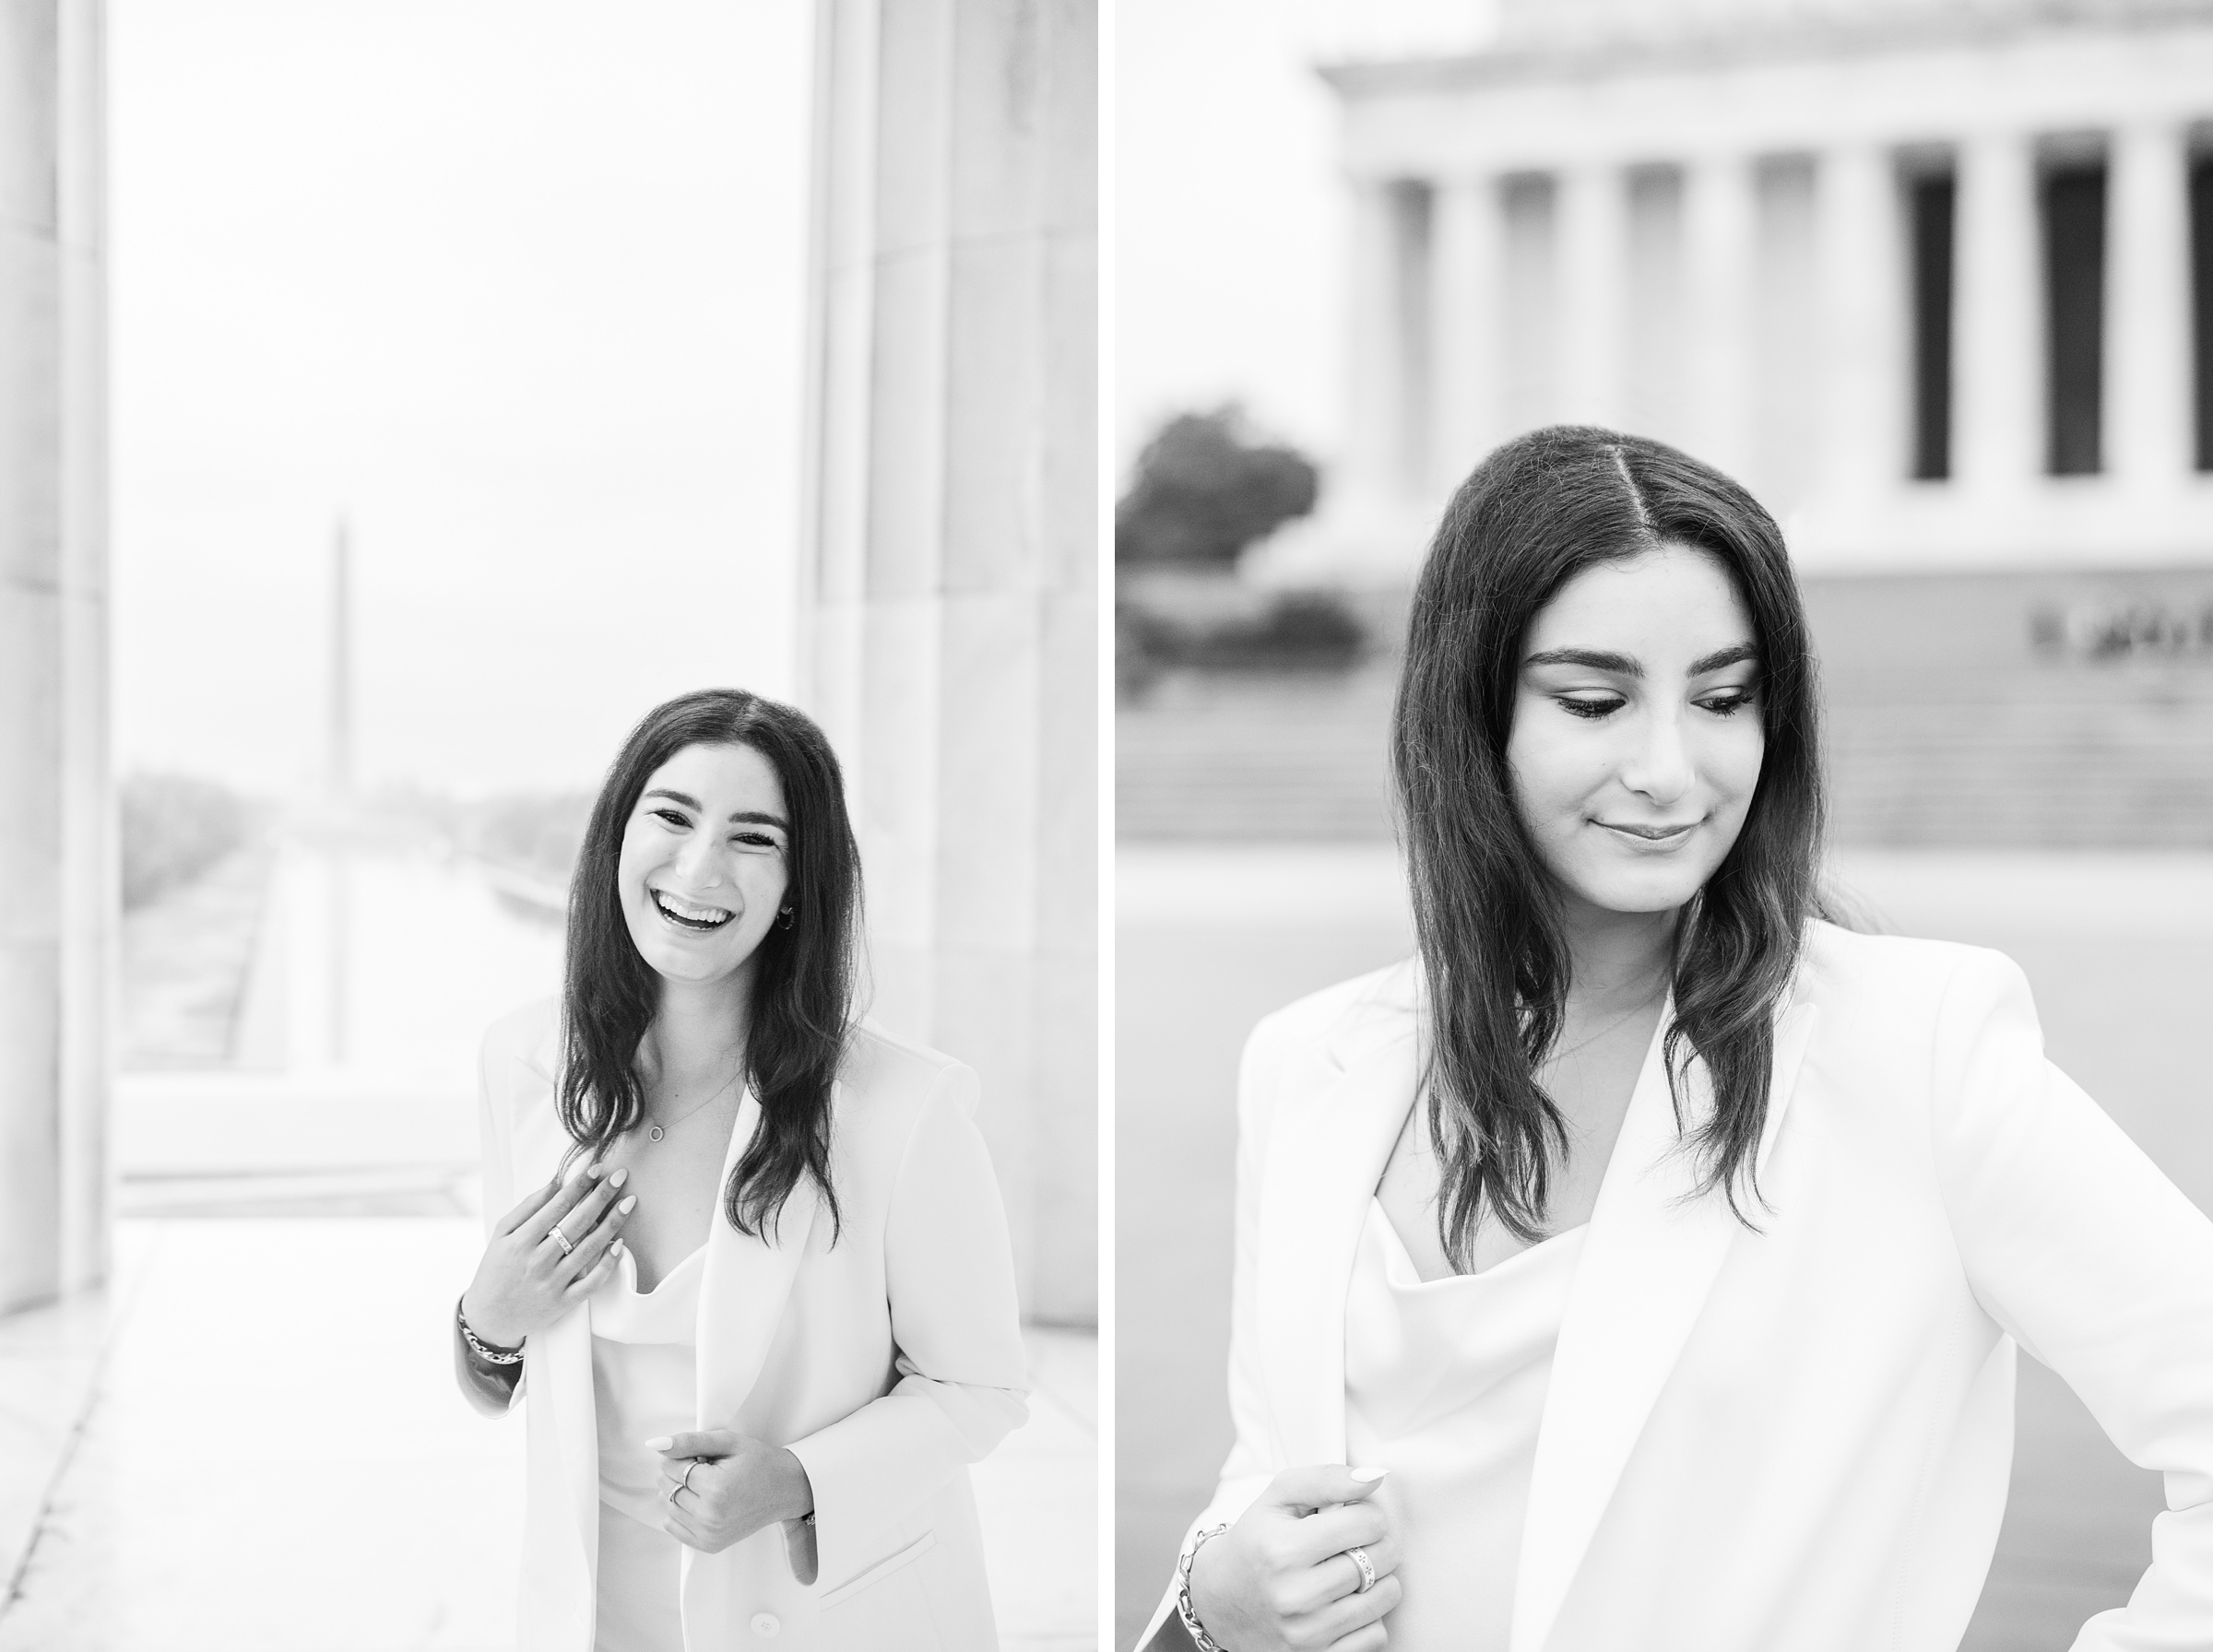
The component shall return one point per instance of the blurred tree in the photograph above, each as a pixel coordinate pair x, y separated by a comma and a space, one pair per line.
1205, 488
174, 828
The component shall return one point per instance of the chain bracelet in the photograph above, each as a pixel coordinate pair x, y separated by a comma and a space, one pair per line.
485, 1352
1200, 1639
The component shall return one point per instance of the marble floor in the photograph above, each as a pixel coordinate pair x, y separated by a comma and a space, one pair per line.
319, 1487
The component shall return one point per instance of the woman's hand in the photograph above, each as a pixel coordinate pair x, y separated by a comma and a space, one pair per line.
526, 1280
728, 1486
1280, 1579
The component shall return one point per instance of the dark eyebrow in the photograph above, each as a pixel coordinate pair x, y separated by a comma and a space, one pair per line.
1621, 664
744, 817
1724, 656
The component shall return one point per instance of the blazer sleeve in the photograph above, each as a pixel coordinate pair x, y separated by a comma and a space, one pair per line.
2097, 1264
1251, 1463
962, 1372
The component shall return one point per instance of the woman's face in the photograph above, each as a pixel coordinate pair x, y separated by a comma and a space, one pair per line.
705, 862
1636, 736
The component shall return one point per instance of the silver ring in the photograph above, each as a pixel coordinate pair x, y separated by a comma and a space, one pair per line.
685, 1484
567, 1249
1358, 1556
673, 1491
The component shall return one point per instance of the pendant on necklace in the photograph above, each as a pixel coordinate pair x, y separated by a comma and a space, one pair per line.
657, 1132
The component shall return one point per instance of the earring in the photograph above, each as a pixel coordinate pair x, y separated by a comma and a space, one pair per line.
786, 917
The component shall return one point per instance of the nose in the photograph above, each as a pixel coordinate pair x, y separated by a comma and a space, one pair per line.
1659, 767
697, 863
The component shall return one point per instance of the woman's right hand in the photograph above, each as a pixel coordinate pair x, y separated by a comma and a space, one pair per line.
1281, 1577
525, 1280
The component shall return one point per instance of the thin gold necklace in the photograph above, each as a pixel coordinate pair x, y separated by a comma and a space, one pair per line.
654, 1132
1619, 1020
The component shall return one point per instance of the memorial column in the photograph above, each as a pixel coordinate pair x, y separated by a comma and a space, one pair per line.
2146, 365
56, 834
1593, 321
1376, 439
1466, 323
948, 605
1998, 402
1863, 258
1719, 253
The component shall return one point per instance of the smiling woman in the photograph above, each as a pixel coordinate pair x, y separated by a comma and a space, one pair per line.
759, 1283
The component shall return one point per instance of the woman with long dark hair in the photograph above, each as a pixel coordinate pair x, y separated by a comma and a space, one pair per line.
745, 1254
1657, 1248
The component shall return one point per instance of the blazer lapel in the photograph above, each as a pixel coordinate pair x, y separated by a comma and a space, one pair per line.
743, 1287
743, 1283
558, 1367
1327, 1144
1648, 1264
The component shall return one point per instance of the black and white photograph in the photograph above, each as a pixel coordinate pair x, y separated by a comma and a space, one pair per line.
644, 1007
1663, 599
550, 683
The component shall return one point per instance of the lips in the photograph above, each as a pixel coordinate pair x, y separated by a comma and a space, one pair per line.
1650, 834
689, 916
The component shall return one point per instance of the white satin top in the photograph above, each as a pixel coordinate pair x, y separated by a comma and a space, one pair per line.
1444, 1385
644, 1385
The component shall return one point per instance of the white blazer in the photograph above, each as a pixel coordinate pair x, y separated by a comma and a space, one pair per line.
886, 1363
1794, 1440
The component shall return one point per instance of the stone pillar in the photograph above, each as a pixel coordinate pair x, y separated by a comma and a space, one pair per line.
1465, 248
57, 884
2148, 385
1998, 396
1868, 377
1376, 437
1593, 321
1720, 251
947, 600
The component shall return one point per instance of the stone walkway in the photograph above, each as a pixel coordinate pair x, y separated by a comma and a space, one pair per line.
275, 1460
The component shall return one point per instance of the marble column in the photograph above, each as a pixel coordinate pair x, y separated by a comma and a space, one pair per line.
947, 598
1593, 219
1720, 254
1866, 378
1375, 436
1464, 289
57, 878
1998, 398
2148, 385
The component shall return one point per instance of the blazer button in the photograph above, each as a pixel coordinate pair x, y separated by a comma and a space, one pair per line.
765, 1624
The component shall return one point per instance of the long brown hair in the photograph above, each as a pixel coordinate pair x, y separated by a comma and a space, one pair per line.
1536, 512
803, 978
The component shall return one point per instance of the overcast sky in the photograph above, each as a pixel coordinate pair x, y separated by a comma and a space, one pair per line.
518, 285
1228, 253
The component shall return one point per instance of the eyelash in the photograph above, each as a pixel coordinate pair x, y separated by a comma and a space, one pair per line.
756, 839
1590, 711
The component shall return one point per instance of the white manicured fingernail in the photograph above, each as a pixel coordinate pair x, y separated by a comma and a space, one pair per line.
619, 1179
625, 1206
660, 1442
1369, 1476
615, 1249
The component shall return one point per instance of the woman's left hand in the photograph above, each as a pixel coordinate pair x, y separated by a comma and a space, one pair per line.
737, 1485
